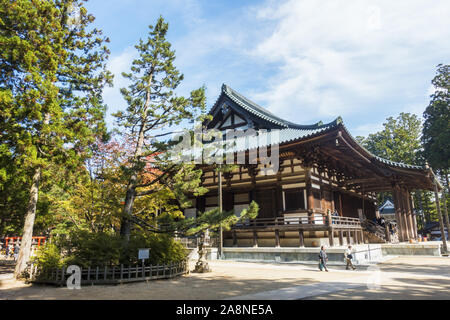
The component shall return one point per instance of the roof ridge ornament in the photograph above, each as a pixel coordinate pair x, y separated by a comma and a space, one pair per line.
225, 88
225, 108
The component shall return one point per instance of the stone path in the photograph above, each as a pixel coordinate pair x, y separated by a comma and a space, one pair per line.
304, 291
399, 278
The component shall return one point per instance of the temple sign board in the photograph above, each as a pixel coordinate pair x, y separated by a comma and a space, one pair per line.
144, 253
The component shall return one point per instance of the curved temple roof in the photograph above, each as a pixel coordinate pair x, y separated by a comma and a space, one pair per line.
292, 132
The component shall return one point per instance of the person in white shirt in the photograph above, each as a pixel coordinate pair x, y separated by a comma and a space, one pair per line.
348, 258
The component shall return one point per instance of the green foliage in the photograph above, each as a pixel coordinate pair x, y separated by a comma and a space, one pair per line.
93, 249
51, 78
398, 141
163, 249
52, 73
436, 128
86, 249
48, 257
153, 107
214, 219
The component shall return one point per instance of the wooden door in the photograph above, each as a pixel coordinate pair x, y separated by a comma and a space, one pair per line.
266, 202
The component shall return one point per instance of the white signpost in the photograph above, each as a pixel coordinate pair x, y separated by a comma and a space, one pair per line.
144, 253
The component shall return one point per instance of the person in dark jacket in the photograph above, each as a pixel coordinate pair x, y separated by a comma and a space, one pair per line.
323, 259
16, 251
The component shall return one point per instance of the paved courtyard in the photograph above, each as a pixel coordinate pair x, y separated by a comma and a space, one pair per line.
397, 278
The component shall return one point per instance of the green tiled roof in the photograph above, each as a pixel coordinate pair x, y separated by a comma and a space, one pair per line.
259, 111
290, 131
397, 164
284, 136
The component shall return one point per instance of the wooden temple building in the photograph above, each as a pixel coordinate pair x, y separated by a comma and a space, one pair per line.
324, 191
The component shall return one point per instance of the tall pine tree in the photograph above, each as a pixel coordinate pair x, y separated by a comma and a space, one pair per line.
436, 131
436, 128
52, 72
153, 107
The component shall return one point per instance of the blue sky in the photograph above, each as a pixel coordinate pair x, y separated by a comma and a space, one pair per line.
304, 60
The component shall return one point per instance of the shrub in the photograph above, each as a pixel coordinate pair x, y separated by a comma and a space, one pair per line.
86, 249
48, 257
92, 249
163, 249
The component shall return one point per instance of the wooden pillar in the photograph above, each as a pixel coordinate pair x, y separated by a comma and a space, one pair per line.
405, 215
255, 239
362, 236
333, 205
330, 229
398, 213
301, 238
411, 200
309, 192
277, 238
341, 237
349, 240
331, 237
234, 238
402, 215
412, 233
387, 233
279, 198
274, 203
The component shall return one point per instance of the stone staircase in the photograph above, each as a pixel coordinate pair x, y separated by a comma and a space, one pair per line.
373, 238
373, 232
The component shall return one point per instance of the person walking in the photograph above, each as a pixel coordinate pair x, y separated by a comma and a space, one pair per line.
323, 259
10, 251
348, 258
16, 251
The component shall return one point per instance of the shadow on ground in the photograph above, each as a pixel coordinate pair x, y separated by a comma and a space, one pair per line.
401, 289
190, 287
437, 266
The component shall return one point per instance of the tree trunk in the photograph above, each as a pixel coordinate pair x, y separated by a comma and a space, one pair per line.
447, 223
444, 201
125, 225
27, 237
446, 181
445, 194
441, 222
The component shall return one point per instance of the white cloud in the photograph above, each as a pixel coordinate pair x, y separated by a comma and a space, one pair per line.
111, 95
309, 60
345, 57
365, 129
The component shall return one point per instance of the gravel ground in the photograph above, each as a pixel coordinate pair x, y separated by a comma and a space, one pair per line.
399, 278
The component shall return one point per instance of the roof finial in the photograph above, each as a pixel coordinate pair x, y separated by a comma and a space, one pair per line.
224, 87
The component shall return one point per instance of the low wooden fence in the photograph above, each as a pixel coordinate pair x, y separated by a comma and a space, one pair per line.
111, 274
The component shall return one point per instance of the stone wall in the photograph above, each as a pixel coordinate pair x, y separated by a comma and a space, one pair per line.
363, 254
